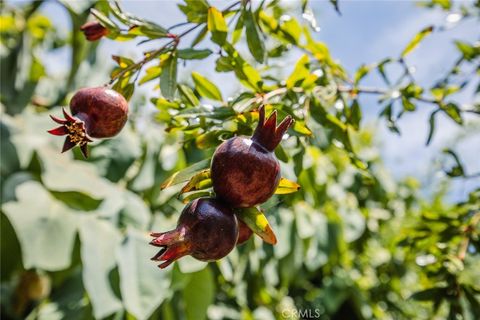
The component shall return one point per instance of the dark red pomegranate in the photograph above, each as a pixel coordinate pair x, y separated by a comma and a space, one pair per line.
93, 30
207, 230
244, 232
245, 171
96, 113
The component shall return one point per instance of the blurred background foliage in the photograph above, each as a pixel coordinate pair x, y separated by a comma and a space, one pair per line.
353, 243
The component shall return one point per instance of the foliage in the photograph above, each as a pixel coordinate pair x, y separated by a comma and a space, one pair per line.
350, 242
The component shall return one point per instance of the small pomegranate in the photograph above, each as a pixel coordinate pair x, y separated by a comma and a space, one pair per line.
244, 232
207, 230
96, 113
245, 171
93, 30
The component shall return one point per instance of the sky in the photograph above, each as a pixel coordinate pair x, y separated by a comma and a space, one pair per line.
365, 32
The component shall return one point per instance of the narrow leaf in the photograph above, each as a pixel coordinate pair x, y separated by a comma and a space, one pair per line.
194, 54
206, 88
258, 223
286, 186
217, 26
199, 181
185, 174
255, 43
168, 78
416, 40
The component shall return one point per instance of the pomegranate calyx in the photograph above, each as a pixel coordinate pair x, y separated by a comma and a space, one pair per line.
267, 133
75, 131
172, 244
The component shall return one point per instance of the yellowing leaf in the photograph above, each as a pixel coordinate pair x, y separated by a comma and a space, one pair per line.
185, 174
216, 25
199, 181
258, 223
286, 186
416, 40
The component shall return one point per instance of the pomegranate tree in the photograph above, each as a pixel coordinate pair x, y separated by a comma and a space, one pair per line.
96, 113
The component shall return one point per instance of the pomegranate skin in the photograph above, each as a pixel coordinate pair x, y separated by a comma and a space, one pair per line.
96, 113
245, 171
207, 230
244, 233
244, 174
104, 111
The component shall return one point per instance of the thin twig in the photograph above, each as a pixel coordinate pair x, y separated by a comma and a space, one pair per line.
175, 40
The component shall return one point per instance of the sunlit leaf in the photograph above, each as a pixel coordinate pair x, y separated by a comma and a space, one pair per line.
185, 174
198, 294
206, 88
99, 239
254, 41
168, 78
258, 223
286, 186
45, 227
416, 40
199, 181
217, 26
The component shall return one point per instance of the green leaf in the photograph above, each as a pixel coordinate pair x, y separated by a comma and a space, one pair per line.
469, 51
142, 285
199, 294
300, 72
195, 10
361, 73
457, 170
430, 294
254, 41
416, 40
185, 174
453, 111
206, 88
286, 186
45, 228
355, 115
104, 20
99, 240
189, 96
431, 122
217, 26
192, 54
168, 78
258, 223
407, 104
237, 32
199, 181
150, 74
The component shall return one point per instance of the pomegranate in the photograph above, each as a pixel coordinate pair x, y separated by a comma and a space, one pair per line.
245, 171
244, 232
96, 113
207, 230
93, 30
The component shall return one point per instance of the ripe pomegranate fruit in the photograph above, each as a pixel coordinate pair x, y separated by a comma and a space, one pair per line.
93, 30
207, 230
96, 113
245, 171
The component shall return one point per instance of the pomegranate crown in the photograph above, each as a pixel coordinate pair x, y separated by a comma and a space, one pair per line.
173, 246
75, 131
267, 133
